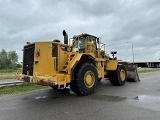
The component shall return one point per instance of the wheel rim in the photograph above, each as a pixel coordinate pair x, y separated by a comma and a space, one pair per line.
89, 79
122, 74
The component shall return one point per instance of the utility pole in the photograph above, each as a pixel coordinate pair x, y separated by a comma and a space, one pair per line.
132, 51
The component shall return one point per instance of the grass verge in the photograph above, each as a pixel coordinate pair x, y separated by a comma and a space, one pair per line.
20, 88
7, 74
146, 70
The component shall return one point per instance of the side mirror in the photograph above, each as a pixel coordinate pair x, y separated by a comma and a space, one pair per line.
113, 52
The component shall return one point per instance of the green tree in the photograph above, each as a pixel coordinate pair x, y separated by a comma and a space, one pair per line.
8, 60
19, 65
3, 59
13, 59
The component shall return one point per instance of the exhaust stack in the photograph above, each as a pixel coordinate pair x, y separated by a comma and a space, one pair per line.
65, 37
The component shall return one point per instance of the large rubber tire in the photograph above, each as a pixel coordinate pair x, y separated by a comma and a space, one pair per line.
85, 79
119, 76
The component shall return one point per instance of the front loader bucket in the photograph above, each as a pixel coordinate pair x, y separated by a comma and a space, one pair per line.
132, 74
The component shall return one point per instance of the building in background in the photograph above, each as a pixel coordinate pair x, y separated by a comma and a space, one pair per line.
149, 64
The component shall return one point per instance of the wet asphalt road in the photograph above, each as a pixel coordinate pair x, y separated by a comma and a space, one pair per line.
134, 101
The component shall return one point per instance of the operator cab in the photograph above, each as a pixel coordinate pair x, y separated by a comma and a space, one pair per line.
80, 42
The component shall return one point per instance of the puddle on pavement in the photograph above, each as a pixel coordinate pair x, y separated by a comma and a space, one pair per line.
51, 94
40, 97
146, 101
107, 98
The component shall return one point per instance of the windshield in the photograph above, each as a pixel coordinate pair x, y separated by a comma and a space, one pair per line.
79, 43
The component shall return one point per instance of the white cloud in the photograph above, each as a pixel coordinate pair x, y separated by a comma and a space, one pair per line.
116, 22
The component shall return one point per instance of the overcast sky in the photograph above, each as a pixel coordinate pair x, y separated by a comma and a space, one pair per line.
115, 21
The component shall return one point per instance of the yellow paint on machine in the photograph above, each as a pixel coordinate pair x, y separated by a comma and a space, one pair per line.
43, 63
111, 65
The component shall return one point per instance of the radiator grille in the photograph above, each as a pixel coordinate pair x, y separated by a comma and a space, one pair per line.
55, 54
28, 59
54, 50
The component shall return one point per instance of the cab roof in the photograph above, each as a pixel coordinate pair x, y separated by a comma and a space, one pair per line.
84, 35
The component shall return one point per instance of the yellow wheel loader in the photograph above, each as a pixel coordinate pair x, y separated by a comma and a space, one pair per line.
80, 64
